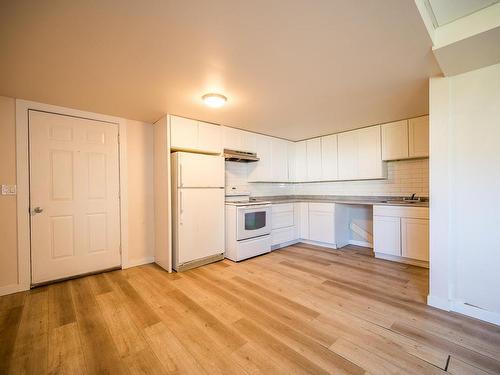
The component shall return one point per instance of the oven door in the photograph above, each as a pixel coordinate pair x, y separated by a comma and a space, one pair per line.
253, 221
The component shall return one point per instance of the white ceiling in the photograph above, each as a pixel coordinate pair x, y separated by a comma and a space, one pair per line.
294, 68
446, 11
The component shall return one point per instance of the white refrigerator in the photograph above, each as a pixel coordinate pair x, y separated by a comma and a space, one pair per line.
198, 209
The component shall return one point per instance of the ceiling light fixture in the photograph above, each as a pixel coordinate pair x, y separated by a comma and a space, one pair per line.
214, 100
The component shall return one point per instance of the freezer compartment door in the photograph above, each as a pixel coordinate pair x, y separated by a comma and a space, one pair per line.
199, 171
200, 224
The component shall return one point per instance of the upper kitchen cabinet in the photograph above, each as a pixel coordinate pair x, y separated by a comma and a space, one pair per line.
183, 133
279, 160
192, 135
406, 139
360, 154
262, 171
347, 155
239, 140
418, 140
329, 163
291, 161
370, 164
209, 138
313, 150
300, 161
395, 140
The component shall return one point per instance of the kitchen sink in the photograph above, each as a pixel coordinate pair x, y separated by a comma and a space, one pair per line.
401, 201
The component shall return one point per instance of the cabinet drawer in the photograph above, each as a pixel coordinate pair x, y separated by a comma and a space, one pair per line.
401, 211
282, 219
282, 235
282, 207
322, 207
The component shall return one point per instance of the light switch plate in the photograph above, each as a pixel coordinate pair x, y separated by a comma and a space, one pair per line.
9, 189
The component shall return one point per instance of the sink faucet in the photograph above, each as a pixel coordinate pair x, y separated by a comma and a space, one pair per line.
412, 197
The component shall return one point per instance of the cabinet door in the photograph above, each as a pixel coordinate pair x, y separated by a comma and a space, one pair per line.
369, 153
329, 166
347, 155
261, 171
322, 226
313, 149
387, 235
291, 162
418, 139
415, 238
303, 208
183, 133
300, 161
395, 140
248, 142
209, 138
231, 138
279, 158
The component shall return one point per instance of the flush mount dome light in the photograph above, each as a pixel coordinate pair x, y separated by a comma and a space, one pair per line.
214, 100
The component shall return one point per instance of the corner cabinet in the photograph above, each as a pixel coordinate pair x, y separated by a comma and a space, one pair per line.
313, 152
195, 136
360, 154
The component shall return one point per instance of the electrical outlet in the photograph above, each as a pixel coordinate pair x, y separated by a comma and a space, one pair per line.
9, 189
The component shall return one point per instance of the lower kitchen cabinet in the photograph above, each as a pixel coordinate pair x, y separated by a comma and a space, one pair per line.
283, 236
322, 222
387, 235
283, 219
401, 232
303, 220
415, 238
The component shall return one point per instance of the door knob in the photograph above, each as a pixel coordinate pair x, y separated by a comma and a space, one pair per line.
37, 210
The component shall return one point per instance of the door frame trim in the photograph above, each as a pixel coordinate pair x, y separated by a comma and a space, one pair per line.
23, 187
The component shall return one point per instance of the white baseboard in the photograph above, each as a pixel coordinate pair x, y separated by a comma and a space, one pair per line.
395, 258
12, 288
284, 244
361, 243
317, 243
475, 312
438, 303
138, 262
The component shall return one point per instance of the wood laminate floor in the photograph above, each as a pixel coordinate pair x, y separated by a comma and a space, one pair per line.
301, 309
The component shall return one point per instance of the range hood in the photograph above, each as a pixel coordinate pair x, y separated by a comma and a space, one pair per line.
240, 156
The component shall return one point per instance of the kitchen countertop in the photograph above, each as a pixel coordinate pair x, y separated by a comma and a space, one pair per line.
363, 200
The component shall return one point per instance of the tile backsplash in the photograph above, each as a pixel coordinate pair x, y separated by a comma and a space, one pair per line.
405, 177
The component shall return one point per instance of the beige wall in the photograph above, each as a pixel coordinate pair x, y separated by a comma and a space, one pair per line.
140, 191
8, 226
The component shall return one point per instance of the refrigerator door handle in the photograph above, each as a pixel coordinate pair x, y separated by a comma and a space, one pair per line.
180, 207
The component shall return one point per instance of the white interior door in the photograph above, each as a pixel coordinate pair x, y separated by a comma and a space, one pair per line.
74, 196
